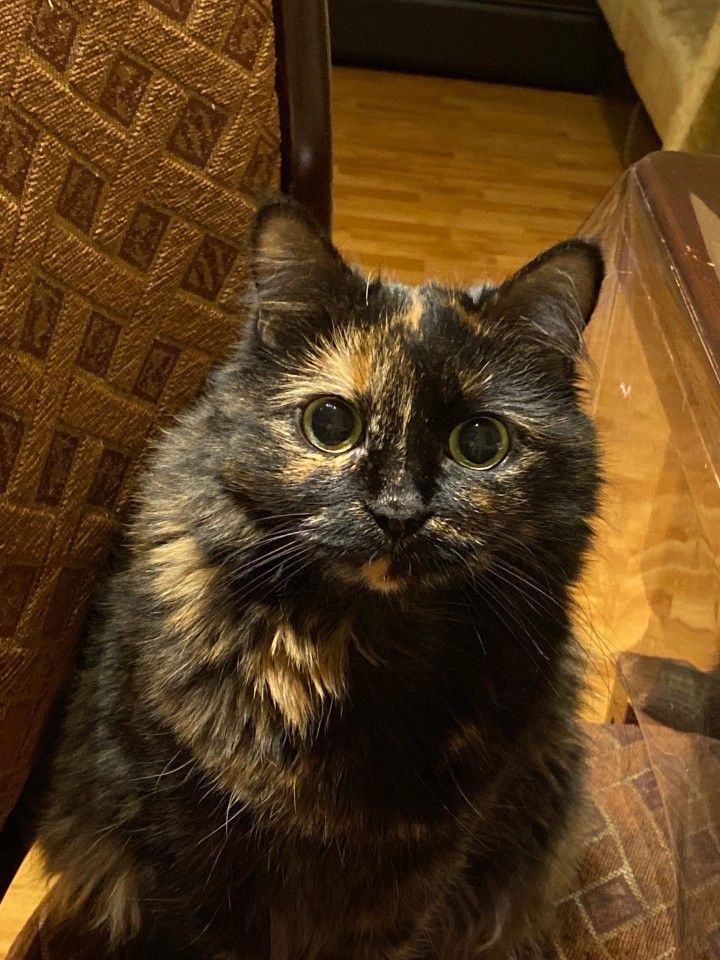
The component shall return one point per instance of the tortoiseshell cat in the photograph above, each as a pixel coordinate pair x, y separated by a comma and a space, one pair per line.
327, 709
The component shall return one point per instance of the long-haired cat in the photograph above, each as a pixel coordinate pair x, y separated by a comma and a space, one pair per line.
326, 711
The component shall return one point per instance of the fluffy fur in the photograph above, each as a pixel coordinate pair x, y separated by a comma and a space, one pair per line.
293, 737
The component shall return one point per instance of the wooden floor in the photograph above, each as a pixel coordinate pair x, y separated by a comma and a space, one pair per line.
448, 179
459, 180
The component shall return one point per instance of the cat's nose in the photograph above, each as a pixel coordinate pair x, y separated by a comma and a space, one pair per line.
396, 519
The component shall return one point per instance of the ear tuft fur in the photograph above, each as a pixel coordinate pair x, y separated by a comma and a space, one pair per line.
295, 269
556, 294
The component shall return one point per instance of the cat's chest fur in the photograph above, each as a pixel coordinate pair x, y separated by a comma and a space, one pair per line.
387, 723
379, 798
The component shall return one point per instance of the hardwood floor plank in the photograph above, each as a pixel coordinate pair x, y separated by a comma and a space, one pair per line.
461, 180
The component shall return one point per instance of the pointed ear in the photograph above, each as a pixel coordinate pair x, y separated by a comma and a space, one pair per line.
296, 271
555, 295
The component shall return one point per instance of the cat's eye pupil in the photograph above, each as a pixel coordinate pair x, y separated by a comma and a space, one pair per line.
479, 441
331, 424
482, 442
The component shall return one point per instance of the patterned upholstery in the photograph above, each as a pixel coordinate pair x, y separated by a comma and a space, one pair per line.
135, 139
649, 881
625, 904
625, 896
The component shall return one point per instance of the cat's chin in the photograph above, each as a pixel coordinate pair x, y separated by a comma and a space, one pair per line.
382, 575
387, 575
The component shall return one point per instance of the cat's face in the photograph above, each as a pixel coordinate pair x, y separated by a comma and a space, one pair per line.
402, 438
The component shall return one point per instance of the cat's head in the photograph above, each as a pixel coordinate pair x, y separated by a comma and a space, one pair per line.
400, 438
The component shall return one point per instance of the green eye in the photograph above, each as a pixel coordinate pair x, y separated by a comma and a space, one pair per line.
480, 443
331, 424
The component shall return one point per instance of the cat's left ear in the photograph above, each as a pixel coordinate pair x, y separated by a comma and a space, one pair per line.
296, 271
555, 295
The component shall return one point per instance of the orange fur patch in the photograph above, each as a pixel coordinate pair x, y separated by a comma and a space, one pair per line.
300, 673
412, 317
375, 574
346, 365
361, 371
343, 368
181, 577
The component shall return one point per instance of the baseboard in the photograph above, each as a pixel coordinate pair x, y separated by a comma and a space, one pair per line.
558, 45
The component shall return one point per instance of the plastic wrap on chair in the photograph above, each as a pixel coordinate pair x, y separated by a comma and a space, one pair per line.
654, 589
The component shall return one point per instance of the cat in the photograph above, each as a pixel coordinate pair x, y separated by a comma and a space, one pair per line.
327, 708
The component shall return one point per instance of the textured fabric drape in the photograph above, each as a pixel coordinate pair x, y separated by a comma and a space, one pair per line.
135, 139
672, 53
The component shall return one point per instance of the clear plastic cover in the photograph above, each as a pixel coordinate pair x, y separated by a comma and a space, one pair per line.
653, 590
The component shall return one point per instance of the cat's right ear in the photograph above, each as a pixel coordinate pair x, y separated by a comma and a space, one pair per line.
553, 297
297, 273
